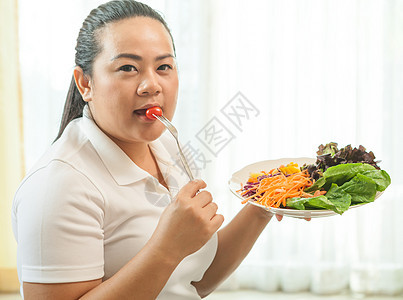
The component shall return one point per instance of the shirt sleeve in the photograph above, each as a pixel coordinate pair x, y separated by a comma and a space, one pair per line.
59, 214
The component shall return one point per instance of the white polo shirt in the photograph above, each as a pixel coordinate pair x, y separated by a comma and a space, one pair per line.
86, 209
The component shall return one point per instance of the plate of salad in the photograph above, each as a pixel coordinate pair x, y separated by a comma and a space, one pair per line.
332, 183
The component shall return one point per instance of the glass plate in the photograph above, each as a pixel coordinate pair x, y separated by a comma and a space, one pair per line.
241, 177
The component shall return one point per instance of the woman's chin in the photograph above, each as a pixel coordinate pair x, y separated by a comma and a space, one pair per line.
152, 134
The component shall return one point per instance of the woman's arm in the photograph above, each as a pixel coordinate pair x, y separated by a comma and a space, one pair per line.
234, 243
184, 227
143, 277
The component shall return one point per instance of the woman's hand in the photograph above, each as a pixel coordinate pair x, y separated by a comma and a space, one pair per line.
188, 222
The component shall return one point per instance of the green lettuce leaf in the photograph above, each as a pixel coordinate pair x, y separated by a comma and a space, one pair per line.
297, 203
336, 199
346, 184
381, 178
342, 173
361, 188
320, 202
339, 198
317, 185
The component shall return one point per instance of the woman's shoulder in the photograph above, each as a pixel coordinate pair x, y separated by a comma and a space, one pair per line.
57, 189
72, 150
56, 179
63, 165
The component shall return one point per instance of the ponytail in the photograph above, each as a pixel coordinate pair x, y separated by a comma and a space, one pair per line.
73, 108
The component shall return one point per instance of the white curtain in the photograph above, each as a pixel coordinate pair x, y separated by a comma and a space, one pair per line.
311, 72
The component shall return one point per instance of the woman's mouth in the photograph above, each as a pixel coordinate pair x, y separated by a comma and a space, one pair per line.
141, 114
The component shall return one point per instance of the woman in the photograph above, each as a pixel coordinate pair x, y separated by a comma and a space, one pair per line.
82, 219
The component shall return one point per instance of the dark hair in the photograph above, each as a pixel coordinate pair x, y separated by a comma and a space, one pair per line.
88, 47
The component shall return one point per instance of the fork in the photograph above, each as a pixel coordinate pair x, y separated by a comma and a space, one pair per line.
171, 128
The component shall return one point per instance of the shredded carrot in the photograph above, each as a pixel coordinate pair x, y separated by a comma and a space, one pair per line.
240, 188
274, 191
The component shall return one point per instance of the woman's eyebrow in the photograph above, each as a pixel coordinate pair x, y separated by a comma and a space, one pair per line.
139, 58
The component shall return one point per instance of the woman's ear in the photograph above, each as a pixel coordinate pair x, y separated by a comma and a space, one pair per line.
83, 84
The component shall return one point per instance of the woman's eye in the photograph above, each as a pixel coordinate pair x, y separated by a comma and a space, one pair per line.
127, 68
164, 67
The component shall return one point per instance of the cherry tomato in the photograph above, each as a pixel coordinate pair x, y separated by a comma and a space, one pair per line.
156, 110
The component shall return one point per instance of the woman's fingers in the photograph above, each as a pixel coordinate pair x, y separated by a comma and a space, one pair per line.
192, 191
210, 210
217, 221
203, 198
189, 221
191, 188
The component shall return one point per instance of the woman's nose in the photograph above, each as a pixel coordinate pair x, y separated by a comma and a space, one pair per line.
149, 85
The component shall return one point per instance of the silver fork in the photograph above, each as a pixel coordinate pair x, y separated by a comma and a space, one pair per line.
174, 133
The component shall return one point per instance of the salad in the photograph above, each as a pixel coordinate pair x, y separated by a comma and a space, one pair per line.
337, 180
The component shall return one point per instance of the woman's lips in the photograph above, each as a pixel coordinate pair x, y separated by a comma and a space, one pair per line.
141, 114
140, 111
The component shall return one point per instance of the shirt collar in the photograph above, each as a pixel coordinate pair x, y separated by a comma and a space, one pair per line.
120, 166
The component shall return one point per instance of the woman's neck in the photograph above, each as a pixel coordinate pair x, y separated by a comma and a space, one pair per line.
138, 152
142, 156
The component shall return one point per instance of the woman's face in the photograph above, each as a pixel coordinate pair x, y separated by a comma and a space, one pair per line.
135, 70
